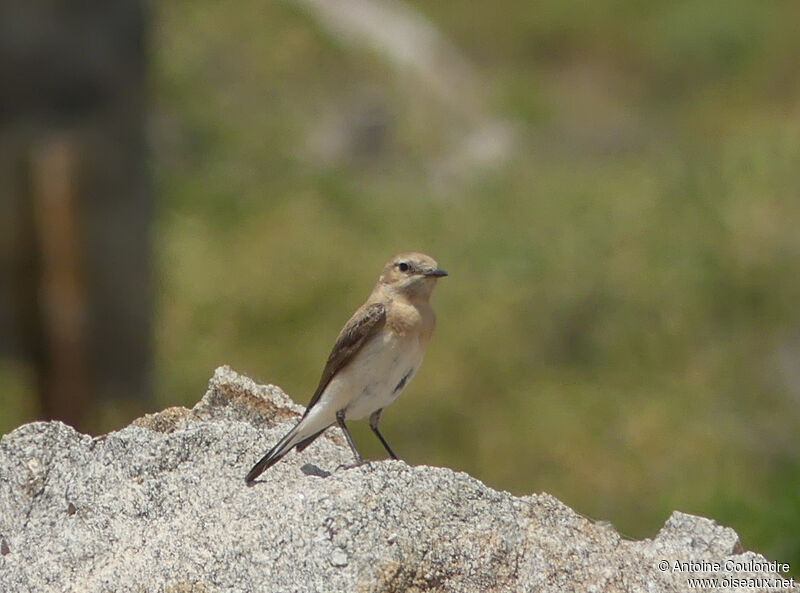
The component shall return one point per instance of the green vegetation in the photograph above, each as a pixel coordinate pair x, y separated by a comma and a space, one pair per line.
621, 326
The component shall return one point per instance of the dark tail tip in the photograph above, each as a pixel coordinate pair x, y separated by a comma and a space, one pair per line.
257, 470
272, 457
252, 475
263, 465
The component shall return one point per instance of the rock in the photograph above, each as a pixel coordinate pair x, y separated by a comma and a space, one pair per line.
161, 506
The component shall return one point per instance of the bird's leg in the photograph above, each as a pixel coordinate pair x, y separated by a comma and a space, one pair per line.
374, 418
343, 426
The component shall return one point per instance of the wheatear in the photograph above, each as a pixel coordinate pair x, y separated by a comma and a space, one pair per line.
375, 356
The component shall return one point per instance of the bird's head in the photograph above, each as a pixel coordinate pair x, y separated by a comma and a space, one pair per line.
411, 274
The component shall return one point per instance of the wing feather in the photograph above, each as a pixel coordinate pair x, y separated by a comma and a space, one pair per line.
365, 323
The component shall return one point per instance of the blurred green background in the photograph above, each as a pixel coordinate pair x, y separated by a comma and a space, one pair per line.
613, 186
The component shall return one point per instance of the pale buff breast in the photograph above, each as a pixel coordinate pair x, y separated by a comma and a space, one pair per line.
407, 319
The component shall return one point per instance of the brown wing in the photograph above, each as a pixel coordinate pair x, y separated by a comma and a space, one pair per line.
361, 326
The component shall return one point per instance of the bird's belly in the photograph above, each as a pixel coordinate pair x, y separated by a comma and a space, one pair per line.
378, 375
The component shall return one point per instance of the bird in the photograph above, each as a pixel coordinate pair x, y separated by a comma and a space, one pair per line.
374, 358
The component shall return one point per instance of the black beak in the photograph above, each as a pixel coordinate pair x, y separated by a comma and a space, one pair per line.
437, 273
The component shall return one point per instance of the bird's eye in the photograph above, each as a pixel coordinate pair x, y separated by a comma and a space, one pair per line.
402, 266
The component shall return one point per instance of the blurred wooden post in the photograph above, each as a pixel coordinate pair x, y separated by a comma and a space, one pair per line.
76, 206
64, 374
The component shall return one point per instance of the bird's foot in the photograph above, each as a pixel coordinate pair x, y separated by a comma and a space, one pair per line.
366, 463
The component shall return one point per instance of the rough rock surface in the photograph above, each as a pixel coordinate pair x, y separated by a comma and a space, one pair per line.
161, 506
